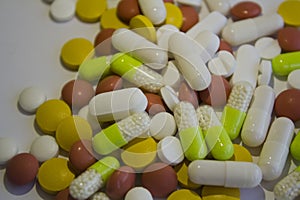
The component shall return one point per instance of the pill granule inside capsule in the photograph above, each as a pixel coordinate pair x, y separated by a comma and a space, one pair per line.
148, 79
289, 187
240, 96
185, 116
135, 125
86, 184
207, 117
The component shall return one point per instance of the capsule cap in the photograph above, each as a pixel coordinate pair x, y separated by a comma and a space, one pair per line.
108, 140
232, 120
106, 166
283, 64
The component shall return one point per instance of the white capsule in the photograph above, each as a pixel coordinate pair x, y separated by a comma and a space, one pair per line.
275, 150
117, 104
155, 10
223, 64
258, 117
169, 96
187, 53
169, 150
225, 173
248, 30
222, 6
247, 62
213, 22
139, 47
265, 72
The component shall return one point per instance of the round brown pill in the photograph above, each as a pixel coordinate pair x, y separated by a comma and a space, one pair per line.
217, 92
289, 39
22, 169
64, 195
77, 93
225, 46
186, 93
109, 83
287, 104
160, 179
81, 155
155, 104
127, 9
102, 43
190, 17
245, 10
120, 182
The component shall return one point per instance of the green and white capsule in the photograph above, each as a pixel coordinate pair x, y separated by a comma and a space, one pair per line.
94, 178
217, 140
136, 72
289, 187
120, 133
234, 113
190, 134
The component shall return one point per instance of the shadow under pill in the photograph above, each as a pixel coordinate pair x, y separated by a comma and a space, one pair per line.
42, 193
16, 189
24, 112
37, 129
252, 193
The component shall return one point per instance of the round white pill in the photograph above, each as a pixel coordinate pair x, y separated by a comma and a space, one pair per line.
267, 47
8, 149
31, 98
138, 193
44, 148
294, 79
223, 64
162, 125
169, 96
93, 121
62, 10
169, 150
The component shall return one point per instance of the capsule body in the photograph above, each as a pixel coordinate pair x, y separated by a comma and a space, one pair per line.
217, 140
140, 48
285, 63
190, 134
295, 150
120, 133
276, 148
213, 22
258, 117
234, 112
117, 104
187, 54
225, 173
135, 72
155, 10
93, 178
248, 30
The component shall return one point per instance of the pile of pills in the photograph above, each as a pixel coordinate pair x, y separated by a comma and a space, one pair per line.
169, 100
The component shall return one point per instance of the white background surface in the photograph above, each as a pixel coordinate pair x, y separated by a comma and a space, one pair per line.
30, 43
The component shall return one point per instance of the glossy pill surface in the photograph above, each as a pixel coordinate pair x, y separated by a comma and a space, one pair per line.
44, 148
31, 98
190, 17
184, 194
22, 169
244, 10
127, 9
90, 10
62, 10
289, 39
186, 93
138, 193
155, 104
109, 83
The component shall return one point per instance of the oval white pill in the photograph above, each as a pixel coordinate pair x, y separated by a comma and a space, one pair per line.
44, 148
8, 149
169, 150
62, 10
267, 47
162, 125
294, 79
93, 121
138, 193
31, 98
169, 96
223, 64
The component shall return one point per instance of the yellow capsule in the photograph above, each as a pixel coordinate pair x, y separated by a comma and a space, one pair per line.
75, 51
144, 27
174, 15
50, 114
72, 129
110, 19
90, 10
54, 175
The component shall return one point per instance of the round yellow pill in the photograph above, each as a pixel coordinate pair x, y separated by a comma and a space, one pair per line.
110, 19
72, 129
50, 114
218, 190
144, 27
174, 15
90, 10
241, 154
54, 175
139, 153
184, 194
75, 51
220, 197
289, 11
182, 176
